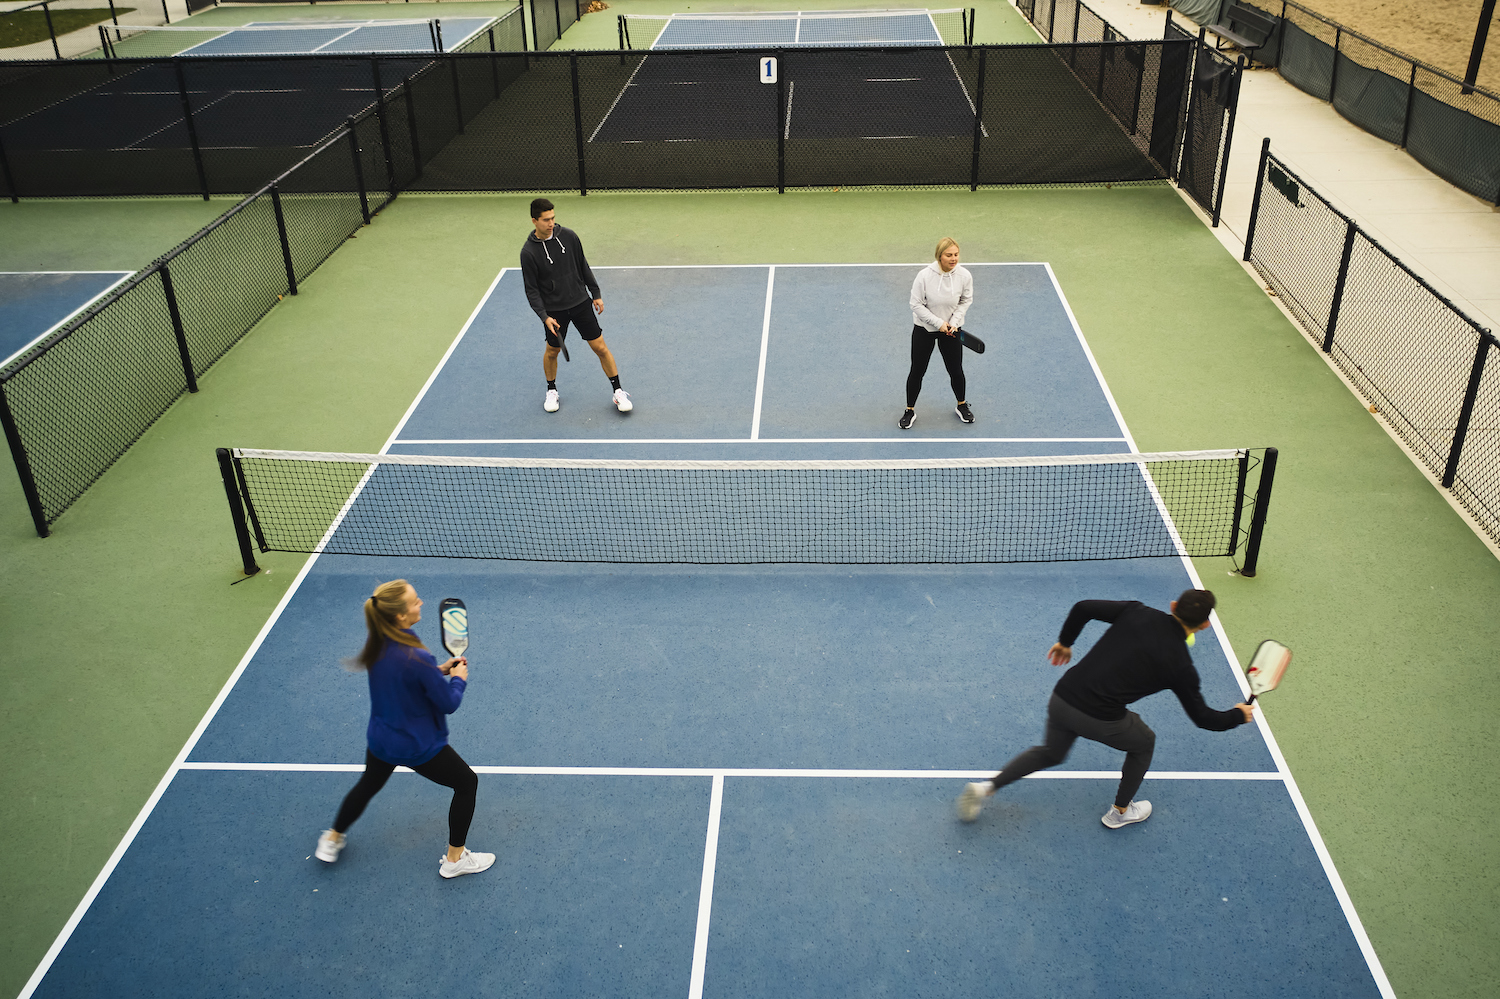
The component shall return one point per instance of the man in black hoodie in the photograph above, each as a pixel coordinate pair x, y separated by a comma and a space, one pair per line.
561, 287
1143, 652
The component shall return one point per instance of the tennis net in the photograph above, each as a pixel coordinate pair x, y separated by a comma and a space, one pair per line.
1068, 508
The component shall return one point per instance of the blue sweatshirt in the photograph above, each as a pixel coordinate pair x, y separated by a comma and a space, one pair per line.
409, 702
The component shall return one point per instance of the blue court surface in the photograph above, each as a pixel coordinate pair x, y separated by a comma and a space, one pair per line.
303, 37
701, 31
729, 781
34, 303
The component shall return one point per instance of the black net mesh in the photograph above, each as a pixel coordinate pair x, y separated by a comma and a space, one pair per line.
1210, 110
549, 19
978, 510
1402, 346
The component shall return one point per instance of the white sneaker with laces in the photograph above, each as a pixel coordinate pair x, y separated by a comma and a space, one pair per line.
550, 404
972, 800
330, 844
469, 863
622, 401
1139, 811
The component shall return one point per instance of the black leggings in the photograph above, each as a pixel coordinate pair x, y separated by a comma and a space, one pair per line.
446, 768
921, 352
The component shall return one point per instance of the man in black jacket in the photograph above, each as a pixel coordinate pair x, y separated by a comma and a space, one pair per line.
1143, 652
560, 287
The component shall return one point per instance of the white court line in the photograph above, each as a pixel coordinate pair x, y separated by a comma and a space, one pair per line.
765, 345
759, 440
354, 768
1319, 847
124, 276
706, 888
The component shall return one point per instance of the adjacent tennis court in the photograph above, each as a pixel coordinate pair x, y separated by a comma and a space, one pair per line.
727, 780
34, 303
299, 37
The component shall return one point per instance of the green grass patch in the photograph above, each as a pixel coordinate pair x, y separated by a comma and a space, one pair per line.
25, 27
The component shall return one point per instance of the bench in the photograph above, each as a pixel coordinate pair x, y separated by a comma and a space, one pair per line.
1245, 27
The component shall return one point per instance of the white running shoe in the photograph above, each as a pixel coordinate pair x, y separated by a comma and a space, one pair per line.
550, 404
469, 863
330, 844
622, 401
1139, 811
972, 800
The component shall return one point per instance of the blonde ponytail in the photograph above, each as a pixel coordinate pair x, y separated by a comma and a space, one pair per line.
381, 611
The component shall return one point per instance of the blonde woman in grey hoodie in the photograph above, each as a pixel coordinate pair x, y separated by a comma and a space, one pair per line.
940, 296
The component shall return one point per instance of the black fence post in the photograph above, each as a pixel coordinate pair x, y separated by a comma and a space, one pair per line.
1338, 287
359, 170
583, 188
187, 116
166, 16
783, 122
458, 97
52, 33
1281, 33
385, 131
557, 13
494, 66
182, 344
1260, 180
1234, 104
23, 465
1185, 140
115, 18
411, 124
10, 178
1411, 92
286, 245
1333, 77
237, 512
978, 123
1140, 78
1262, 507
1466, 412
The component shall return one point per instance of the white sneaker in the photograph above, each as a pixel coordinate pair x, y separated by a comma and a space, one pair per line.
469, 863
330, 844
972, 800
622, 401
550, 404
1139, 811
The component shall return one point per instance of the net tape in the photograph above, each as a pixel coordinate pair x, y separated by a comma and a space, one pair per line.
1030, 509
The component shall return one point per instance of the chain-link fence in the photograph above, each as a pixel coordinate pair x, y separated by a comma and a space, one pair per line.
1427, 368
549, 19
1451, 129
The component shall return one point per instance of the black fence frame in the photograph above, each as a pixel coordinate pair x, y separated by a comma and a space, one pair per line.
1418, 415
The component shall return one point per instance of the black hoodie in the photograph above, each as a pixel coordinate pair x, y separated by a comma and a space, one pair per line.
556, 274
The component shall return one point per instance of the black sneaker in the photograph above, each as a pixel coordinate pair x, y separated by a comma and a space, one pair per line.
907, 419
964, 412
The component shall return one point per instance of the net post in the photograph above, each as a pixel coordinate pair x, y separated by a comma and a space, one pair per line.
181, 334
1258, 518
1260, 181
104, 50
1466, 412
1234, 103
286, 246
437, 27
583, 189
620, 31
783, 122
359, 170
432, 35
1338, 286
23, 466
385, 129
52, 33
236, 511
1239, 502
971, 25
411, 124
978, 123
187, 115
10, 178
458, 98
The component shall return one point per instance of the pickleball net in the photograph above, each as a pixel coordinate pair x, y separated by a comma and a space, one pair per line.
762, 29
1066, 508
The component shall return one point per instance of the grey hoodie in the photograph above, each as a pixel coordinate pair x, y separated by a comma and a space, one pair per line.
938, 298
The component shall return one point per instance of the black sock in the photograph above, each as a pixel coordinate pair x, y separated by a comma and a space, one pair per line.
552, 386
614, 380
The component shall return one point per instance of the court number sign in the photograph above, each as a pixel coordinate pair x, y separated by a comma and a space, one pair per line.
768, 70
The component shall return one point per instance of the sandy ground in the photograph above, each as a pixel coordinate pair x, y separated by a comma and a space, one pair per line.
1439, 32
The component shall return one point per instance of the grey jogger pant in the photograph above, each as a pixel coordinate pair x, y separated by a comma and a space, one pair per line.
1065, 724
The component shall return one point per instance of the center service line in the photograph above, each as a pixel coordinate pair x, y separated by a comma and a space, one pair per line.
706, 890
765, 343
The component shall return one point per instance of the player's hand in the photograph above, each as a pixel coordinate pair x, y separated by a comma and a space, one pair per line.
1059, 654
456, 667
552, 325
598, 306
1248, 710
945, 328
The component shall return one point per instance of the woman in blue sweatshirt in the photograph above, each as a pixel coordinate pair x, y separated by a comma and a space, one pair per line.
410, 699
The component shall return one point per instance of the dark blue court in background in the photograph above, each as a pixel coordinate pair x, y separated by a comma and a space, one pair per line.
34, 303
729, 781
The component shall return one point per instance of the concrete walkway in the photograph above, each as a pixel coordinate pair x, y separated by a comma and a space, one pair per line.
1445, 234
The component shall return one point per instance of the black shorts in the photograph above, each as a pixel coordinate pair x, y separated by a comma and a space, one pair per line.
582, 317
